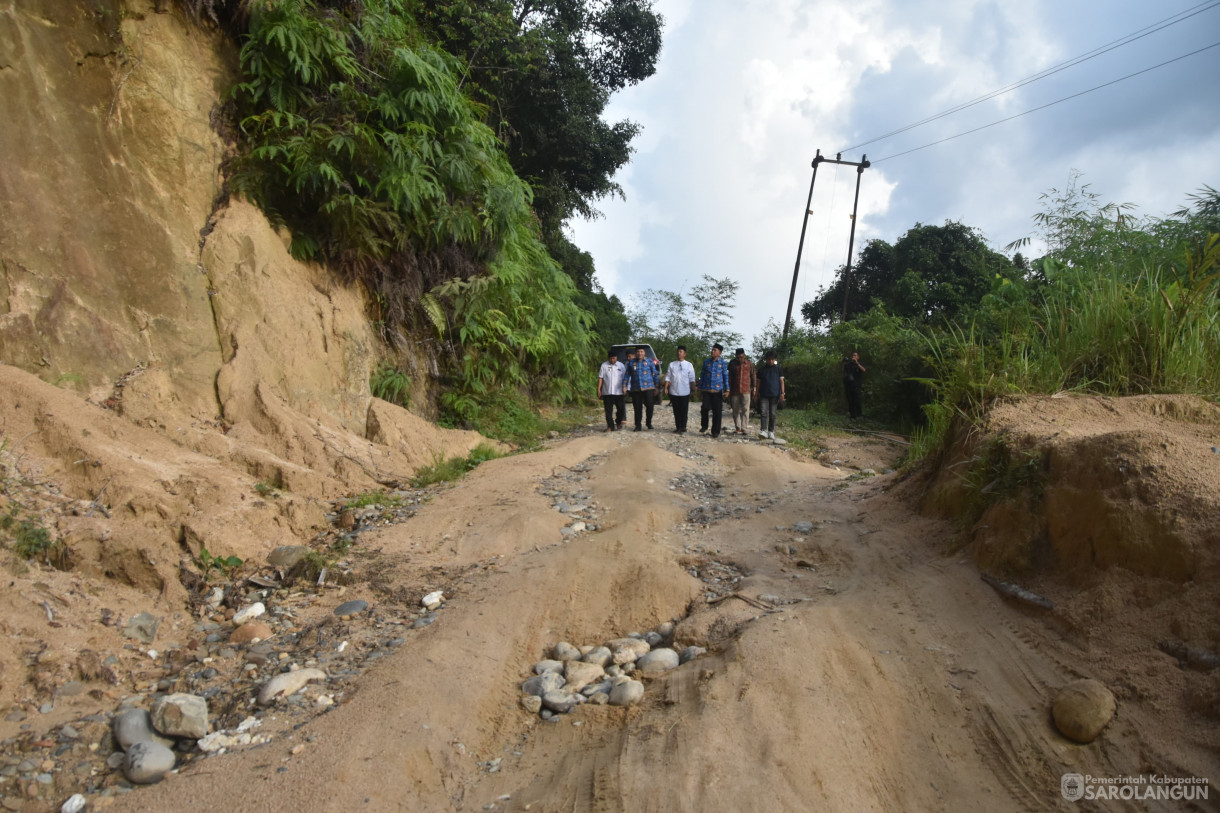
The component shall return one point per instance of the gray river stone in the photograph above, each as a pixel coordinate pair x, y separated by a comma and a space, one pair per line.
627, 693
181, 715
598, 655
351, 607
143, 627
579, 674
690, 653
658, 660
563, 651
135, 725
541, 684
627, 650
559, 702
147, 762
286, 557
548, 666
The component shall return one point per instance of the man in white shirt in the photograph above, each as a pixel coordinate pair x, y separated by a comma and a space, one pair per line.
678, 381
612, 389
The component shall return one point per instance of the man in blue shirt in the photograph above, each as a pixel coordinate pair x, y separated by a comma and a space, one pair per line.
642, 380
713, 387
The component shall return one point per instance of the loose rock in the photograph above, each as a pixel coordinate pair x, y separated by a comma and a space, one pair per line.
143, 627
599, 655
352, 607
249, 613
548, 666
148, 762
627, 650
560, 702
251, 632
74, 804
579, 674
541, 684
135, 725
287, 683
627, 693
690, 653
658, 660
181, 715
1083, 709
563, 651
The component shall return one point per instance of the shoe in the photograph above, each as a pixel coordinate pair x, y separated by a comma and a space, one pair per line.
677, 431
637, 429
702, 429
608, 429
649, 427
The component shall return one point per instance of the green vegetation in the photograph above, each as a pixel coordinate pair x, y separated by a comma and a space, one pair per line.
28, 535
434, 153
665, 319
265, 489
368, 498
453, 468
391, 384
209, 564
1117, 306
312, 564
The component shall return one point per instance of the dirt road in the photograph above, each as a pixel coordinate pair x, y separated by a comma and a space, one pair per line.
863, 667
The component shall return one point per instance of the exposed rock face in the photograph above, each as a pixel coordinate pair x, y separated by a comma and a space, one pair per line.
125, 272
128, 277
111, 173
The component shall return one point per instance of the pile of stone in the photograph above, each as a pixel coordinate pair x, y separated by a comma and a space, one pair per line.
147, 738
569, 498
207, 694
721, 578
607, 674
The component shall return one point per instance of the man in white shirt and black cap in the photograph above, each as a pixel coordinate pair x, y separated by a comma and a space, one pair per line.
678, 380
612, 389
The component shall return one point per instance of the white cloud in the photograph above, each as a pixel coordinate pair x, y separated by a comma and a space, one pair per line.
746, 92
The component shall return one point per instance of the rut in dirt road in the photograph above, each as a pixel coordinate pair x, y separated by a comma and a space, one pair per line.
851, 663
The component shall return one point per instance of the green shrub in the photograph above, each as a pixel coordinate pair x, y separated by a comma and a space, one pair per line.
29, 537
445, 469
391, 384
358, 136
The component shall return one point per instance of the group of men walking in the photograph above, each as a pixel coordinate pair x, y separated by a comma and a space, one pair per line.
738, 381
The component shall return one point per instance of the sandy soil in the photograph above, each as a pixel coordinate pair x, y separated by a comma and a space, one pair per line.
878, 672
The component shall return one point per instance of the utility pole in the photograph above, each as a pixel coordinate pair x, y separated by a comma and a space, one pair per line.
819, 159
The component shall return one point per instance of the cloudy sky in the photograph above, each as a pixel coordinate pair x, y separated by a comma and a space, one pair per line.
747, 90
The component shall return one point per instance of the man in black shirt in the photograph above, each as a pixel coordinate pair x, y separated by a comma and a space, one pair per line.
853, 381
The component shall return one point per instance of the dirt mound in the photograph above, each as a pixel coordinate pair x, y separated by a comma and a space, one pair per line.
1071, 485
124, 512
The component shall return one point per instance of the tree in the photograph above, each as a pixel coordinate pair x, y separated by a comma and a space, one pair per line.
545, 69
931, 274
666, 319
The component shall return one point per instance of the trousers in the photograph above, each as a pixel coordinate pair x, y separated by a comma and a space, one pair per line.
711, 406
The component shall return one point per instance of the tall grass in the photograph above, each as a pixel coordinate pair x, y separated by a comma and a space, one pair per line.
1110, 328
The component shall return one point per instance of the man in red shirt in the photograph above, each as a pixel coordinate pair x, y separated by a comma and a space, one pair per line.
742, 382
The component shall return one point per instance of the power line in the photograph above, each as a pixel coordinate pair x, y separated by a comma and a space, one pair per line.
1062, 66
1048, 104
